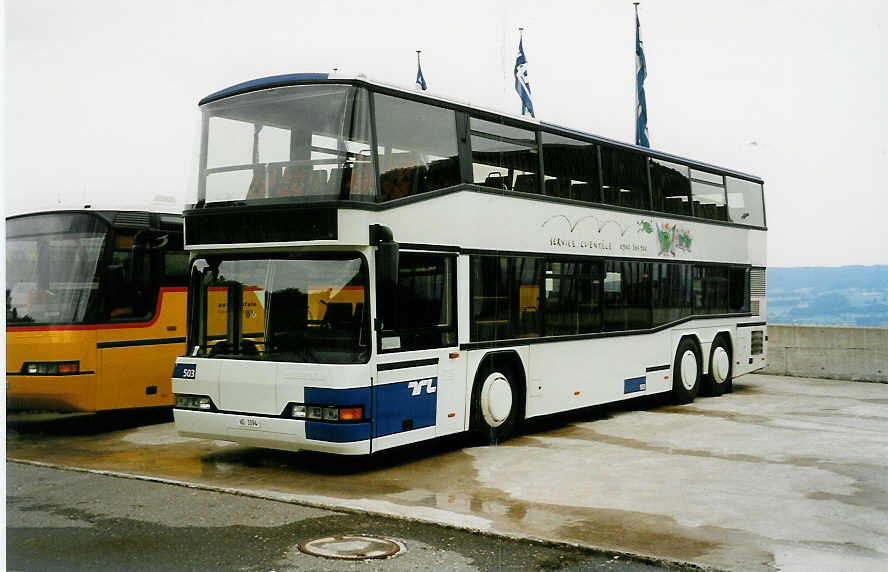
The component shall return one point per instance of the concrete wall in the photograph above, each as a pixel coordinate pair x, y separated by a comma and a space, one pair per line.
832, 352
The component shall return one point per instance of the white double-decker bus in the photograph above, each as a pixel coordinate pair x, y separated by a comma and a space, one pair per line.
372, 267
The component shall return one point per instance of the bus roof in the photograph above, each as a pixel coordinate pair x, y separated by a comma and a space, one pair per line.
136, 218
285, 80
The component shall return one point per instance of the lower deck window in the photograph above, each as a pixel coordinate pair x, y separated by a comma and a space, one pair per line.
626, 295
425, 303
515, 297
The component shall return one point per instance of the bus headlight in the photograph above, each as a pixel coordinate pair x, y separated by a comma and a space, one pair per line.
328, 413
51, 368
194, 402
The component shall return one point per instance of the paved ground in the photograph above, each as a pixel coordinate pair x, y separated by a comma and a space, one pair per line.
785, 473
66, 520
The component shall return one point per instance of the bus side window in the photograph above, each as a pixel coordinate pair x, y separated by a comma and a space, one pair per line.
426, 301
132, 279
175, 262
119, 278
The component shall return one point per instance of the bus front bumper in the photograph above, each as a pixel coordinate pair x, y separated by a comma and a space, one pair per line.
51, 392
274, 432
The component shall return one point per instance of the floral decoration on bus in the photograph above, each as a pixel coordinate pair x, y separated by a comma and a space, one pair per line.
670, 237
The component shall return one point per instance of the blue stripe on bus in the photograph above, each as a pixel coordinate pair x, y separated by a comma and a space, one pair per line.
354, 397
398, 407
404, 406
634, 384
185, 370
337, 432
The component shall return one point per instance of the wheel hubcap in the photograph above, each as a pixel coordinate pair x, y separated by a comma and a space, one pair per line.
689, 370
496, 399
721, 365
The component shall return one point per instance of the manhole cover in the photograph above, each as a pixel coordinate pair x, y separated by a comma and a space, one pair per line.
358, 547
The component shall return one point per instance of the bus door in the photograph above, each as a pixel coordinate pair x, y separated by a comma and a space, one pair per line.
140, 343
419, 389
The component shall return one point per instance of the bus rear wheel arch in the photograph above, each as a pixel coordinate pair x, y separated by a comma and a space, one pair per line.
719, 380
497, 398
686, 371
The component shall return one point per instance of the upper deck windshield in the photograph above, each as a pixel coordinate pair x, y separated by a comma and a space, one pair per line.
302, 309
308, 141
52, 268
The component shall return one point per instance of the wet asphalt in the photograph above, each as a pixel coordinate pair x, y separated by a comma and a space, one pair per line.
783, 474
75, 520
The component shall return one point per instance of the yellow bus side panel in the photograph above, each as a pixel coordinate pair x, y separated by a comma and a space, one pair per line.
138, 376
51, 392
134, 370
141, 375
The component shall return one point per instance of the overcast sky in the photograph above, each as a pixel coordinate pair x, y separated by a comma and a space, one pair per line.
101, 95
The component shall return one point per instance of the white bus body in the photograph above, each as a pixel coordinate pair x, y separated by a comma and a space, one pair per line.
389, 387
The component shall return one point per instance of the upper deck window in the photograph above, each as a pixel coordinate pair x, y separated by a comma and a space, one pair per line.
624, 178
708, 190
745, 205
504, 157
417, 147
670, 187
570, 168
310, 141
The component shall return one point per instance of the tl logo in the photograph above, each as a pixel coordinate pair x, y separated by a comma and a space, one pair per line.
418, 384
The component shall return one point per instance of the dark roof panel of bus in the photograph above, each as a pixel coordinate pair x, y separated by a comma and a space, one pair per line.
264, 83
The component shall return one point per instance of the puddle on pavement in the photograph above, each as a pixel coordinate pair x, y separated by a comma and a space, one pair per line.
651, 534
438, 475
729, 415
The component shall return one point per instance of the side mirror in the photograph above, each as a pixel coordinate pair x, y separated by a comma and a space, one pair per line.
115, 278
387, 255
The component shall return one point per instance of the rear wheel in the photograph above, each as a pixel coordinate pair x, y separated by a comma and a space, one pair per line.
495, 404
718, 380
686, 372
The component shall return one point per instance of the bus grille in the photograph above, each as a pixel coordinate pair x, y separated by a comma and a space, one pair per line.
757, 282
132, 219
757, 342
754, 306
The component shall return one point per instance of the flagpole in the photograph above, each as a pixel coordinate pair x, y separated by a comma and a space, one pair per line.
635, 75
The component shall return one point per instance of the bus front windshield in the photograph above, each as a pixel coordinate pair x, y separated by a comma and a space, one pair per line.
301, 143
299, 309
52, 268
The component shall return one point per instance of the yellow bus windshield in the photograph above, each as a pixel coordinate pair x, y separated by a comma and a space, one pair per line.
52, 263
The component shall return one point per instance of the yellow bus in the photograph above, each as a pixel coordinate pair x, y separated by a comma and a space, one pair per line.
95, 309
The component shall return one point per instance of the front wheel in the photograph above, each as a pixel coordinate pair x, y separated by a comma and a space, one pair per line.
495, 405
686, 372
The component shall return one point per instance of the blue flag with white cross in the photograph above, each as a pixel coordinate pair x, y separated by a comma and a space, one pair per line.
522, 84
